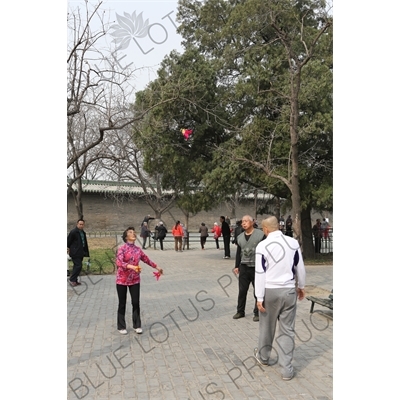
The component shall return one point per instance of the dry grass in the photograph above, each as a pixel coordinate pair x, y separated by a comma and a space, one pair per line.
101, 243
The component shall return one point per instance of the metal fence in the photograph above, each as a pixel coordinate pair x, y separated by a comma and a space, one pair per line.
325, 248
326, 245
100, 234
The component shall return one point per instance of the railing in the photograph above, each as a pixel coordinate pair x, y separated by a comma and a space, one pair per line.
326, 243
193, 239
326, 247
99, 234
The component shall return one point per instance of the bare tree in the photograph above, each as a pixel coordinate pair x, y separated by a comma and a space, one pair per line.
100, 94
126, 165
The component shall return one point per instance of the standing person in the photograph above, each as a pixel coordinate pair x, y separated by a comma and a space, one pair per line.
203, 230
177, 233
280, 280
77, 248
161, 232
325, 228
185, 237
146, 219
144, 234
282, 223
317, 232
128, 278
216, 230
238, 230
226, 235
289, 226
245, 263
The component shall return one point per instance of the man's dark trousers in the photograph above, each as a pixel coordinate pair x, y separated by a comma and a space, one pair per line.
227, 243
77, 269
246, 276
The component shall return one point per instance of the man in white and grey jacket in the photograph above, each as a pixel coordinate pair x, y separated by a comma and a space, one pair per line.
279, 280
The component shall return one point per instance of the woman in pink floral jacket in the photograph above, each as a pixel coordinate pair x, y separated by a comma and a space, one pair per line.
128, 277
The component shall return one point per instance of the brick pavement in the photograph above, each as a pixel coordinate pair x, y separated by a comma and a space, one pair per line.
191, 348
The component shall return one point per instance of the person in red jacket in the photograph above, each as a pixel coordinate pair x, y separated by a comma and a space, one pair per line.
216, 230
177, 233
128, 278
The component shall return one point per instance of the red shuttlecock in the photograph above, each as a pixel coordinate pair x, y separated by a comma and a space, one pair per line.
157, 275
186, 133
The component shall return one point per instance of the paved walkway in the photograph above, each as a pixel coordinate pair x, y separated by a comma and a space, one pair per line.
191, 348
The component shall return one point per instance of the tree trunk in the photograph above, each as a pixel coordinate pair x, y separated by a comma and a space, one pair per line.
255, 204
308, 246
294, 147
277, 212
78, 197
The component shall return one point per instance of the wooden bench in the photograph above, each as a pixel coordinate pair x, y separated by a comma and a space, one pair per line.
323, 302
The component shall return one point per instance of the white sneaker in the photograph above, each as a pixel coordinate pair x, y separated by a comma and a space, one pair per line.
139, 330
123, 331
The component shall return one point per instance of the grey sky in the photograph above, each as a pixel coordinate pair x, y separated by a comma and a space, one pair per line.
145, 47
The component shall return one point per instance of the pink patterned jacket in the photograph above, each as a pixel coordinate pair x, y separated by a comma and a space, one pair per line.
131, 254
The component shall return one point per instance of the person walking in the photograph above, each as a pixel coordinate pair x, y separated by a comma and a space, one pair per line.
161, 233
185, 237
128, 278
144, 234
203, 230
289, 226
226, 235
177, 233
216, 230
245, 262
279, 282
317, 232
77, 248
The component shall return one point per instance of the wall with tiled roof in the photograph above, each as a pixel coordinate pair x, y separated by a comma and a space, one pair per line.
103, 211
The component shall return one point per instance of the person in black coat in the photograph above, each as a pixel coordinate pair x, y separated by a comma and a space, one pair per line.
77, 248
146, 219
289, 226
226, 234
238, 230
161, 233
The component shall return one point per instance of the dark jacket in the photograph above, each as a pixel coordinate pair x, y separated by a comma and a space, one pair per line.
161, 231
289, 223
238, 231
144, 231
146, 219
75, 245
225, 229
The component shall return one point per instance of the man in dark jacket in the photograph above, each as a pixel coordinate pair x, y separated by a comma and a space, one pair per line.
238, 230
226, 234
289, 226
146, 219
161, 233
77, 248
